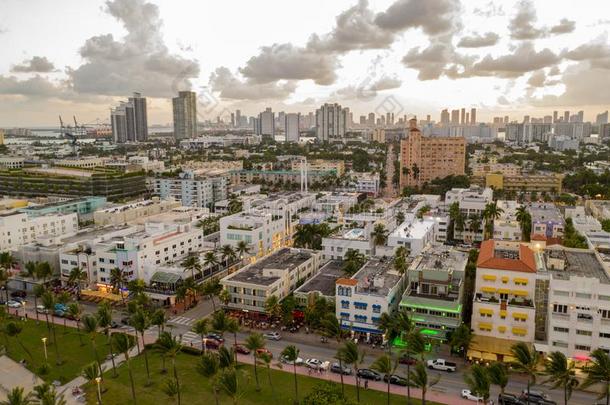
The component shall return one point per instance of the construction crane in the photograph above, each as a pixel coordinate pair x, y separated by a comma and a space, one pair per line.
66, 131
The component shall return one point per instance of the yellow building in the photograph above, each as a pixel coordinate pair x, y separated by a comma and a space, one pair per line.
321, 165
525, 182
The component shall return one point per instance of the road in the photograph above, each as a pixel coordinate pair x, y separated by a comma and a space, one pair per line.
390, 189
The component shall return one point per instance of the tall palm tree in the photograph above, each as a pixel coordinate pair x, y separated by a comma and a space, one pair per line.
229, 383
209, 366
232, 326
212, 288
169, 346
17, 396
123, 345
353, 261
64, 298
75, 311
526, 362
331, 327
220, 321
353, 356
385, 365
418, 378
47, 395
192, 264
38, 290
90, 326
43, 271
266, 359
478, 381
416, 346
140, 322
76, 277
242, 249
498, 375
48, 301
91, 373
598, 372
525, 222
14, 329
273, 307
104, 321
202, 328
224, 296
461, 338
379, 235
291, 354
210, 260
255, 342
4, 276
228, 254
159, 319
561, 374
118, 279
490, 214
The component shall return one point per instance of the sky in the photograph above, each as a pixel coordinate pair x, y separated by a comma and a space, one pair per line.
413, 57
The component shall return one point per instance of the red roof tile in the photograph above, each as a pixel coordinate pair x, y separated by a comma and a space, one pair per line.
347, 281
526, 262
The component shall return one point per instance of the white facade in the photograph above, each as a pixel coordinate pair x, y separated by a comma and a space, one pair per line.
12, 162
262, 230
414, 234
337, 245
18, 229
292, 126
472, 202
506, 227
192, 190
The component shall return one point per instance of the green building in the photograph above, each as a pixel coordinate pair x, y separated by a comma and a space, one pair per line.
80, 206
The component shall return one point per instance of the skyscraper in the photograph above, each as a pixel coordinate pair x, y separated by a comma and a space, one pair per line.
185, 115
455, 117
238, 118
445, 117
473, 115
463, 116
265, 124
140, 117
581, 116
292, 125
602, 118
121, 119
371, 119
555, 116
331, 121
566, 116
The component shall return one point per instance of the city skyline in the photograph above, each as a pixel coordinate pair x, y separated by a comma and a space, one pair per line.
538, 58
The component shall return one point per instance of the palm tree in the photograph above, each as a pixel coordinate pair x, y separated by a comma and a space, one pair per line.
526, 362
331, 327
77, 275
386, 366
64, 298
474, 222
169, 346
478, 381
490, 214
104, 321
291, 354
90, 326
38, 290
4, 276
232, 326
400, 217
229, 383
13, 329
353, 261
170, 388
561, 374
192, 264
525, 221
599, 373
47, 395
266, 359
43, 271
209, 366
75, 311
273, 307
212, 288
416, 345
118, 279
17, 396
379, 235
242, 249
48, 301
228, 254
418, 378
122, 343
498, 375
254, 343
140, 322
460, 338
91, 373
352, 356
159, 319
209, 259
202, 328
224, 296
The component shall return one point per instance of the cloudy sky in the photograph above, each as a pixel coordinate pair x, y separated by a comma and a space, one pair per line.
411, 56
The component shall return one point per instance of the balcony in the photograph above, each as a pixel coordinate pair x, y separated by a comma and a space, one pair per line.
513, 302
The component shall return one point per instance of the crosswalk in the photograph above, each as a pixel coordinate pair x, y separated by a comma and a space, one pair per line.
182, 320
191, 339
152, 331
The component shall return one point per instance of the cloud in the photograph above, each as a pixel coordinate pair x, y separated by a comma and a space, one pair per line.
524, 59
355, 29
430, 61
37, 64
502, 100
521, 26
596, 49
565, 26
479, 41
231, 87
432, 16
36, 86
386, 83
289, 62
138, 62
489, 10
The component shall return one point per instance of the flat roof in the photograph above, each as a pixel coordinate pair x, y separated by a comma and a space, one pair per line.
57, 203
545, 212
441, 258
380, 272
324, 281
285, 260
413, 228
350, 233
580, 264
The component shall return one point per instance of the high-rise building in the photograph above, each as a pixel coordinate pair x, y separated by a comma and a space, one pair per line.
566, 116
581, 116
463, 116
129, 120
473, 115
331, 121
140, 117
467, 120
238, 118
602, 118
363, 120
292, 125
371, 119
185, 115
423, 159
555, 116
455, 117
445, 117
265, 124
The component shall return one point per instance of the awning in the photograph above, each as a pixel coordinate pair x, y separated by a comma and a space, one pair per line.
489, 277
519, 331
503, 291
509, 359
164, 277
485, 325
474, 353
492, 344
518, 315
488, 289
520, 293
505, 279
485, 311
502, 328
489, 356
521, 280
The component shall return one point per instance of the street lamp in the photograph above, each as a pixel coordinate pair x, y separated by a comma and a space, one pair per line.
44, 344
98, 380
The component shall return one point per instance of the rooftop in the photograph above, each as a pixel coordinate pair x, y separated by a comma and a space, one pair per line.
350, 233
545, 212
506, 256
413, 228
441, 258
578, 264
324, 281
266, 271
377, 277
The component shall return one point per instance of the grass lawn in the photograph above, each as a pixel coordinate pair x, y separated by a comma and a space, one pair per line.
196, 389
72, 354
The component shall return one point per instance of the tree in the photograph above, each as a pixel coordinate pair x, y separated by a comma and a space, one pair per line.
242, 249
64, 298
526, 362
168, 346
273, 307
353, 356
400, 217
460, 339
228, 254
478, 381
13, 329
598, 372
211, 289
561, 374
75, 311
498, 375
122, 344
159, 319
4, 276
140, 322
38, 290
90, 328
17, 396
266, 359
325, 393
47, 395
192, 264
379, 235
291, 354
210, 260
490, 214
170, 388
118, 279
91, 373
202, 328
232, 326
418, 378
209, 366
76, 277
104, 321
255, 342
353, 261
229, 383
525, 222
385, 365
48, 301
331, 327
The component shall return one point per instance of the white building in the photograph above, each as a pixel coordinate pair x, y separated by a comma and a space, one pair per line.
12, 162
414, 234
364, 182
360, 300
292, 126
262, 230
277, 274
506, 226
193, 190
127, 213
17, 229
472, 202
344, 239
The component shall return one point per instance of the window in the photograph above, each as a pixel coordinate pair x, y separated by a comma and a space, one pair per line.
604, 335
360, 305
562, 293
345, 304
583, 295
344, 315
583, 347
561, 330
560, 344
560, 309
360, 318
376, 308
583, 332
605, 313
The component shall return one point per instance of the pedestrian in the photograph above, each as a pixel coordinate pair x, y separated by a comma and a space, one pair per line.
366, 384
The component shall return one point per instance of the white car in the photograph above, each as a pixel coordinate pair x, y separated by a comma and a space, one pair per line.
299, 361
272, 336
313, 363
469, 395
13, 304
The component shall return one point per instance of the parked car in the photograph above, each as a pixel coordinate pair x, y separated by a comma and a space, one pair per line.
19, 293
114, 324
262, 351
471, 396
241, 349
41, 309
313, 363
336, 368
272, 336
369, 374
509, 399
13, 304
536, 398
299, 361
442, 365
20, 300
125, 320
396, 380
215, 336
407, 360
211, 343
